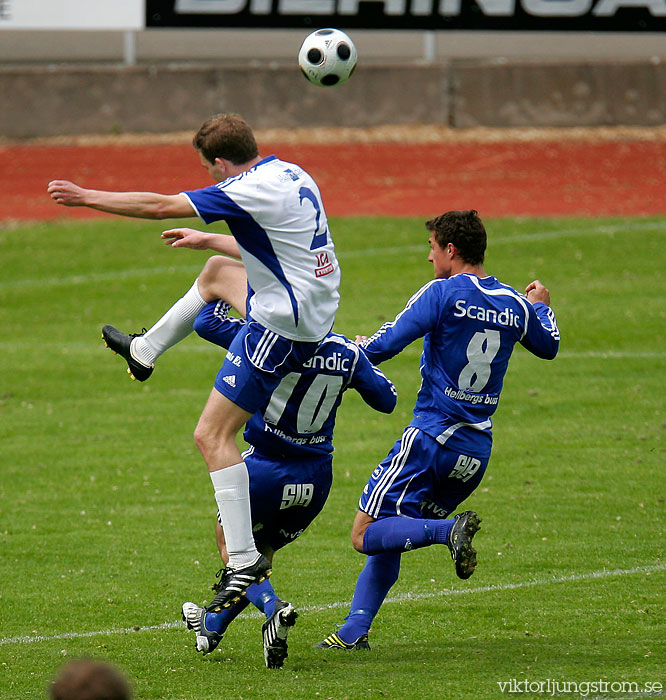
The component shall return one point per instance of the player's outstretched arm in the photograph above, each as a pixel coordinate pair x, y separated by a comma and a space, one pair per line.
141, 205
376, 389
413, 322
201, 240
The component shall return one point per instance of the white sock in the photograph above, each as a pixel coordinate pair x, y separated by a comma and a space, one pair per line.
175, 325
232, 493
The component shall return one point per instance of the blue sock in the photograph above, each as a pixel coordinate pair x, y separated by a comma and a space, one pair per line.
218, 622
372, 586
399, 534
262, 596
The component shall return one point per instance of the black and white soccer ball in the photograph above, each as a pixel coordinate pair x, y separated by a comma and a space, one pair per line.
327, 57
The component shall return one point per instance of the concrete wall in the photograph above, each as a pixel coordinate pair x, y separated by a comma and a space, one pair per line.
63, 82
227, 46
559, 94
97, 100
106, 100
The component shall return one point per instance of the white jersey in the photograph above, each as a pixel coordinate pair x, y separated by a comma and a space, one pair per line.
275, 213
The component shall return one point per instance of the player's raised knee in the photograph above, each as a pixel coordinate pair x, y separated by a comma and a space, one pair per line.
357, 541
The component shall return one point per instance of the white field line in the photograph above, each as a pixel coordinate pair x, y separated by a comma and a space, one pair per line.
406, 597
610, 355
130, 273
93, 277
586, 232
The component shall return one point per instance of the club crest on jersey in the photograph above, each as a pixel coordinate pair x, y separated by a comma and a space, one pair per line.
289, 174
324, 267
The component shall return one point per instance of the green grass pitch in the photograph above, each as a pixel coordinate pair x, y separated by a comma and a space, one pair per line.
107, 513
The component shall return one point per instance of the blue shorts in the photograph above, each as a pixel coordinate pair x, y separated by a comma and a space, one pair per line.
285, 497
257, 360
421, 479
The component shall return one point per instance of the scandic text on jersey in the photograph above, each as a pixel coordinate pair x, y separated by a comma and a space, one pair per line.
506, 317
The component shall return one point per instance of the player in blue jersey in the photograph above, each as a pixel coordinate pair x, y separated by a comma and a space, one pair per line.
279, 228
470, 323
289, 464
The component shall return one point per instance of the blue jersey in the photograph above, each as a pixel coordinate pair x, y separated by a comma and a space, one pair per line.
298, 418
275, 213
469, 326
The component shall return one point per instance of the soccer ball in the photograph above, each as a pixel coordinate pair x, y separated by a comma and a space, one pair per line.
327, 57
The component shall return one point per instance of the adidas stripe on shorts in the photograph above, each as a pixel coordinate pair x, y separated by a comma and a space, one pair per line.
256, 362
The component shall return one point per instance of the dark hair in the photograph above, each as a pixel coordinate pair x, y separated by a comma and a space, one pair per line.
226, 136
465, 230
86, 679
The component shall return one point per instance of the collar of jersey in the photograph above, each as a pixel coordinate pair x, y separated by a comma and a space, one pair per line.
267, 159
471, 274
240, 176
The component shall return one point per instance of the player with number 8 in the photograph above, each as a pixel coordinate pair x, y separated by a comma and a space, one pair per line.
470, 323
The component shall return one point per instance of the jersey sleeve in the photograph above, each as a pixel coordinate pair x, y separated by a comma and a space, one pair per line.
215, 325
376, 389
212, 204
419, 317
542, 337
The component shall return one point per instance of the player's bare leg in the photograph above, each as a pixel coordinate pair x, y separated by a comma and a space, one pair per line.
224, 278
361, 523
215, 436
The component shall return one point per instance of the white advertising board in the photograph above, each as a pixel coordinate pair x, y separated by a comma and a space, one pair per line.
72, 14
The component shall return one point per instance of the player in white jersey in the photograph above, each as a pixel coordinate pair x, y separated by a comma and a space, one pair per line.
470, 323
280, 231
284, 243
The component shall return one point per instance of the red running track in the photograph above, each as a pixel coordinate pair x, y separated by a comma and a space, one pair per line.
509, 178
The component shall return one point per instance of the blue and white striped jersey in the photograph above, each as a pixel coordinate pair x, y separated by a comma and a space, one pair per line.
469, 327
275, 213
299, 417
